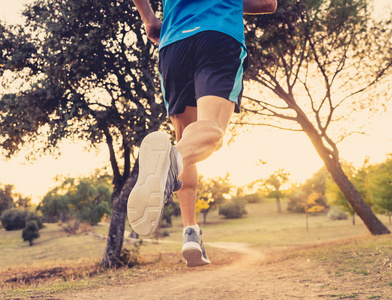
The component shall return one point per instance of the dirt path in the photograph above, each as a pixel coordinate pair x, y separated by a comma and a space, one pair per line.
250, 277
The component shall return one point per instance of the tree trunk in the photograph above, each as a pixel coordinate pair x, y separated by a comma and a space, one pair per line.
353, 218
117, 224
360, 207
205, 217
331, 161
307, 221
279, 208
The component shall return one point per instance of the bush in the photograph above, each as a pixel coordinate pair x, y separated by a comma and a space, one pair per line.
14, 219
93, 214
131, 258
253, 198
31, 232
165, 233
296, 204
335, 213
31, 216
233, 209
171, 208
74, 226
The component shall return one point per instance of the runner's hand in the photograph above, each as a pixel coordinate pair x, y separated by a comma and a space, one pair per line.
153, 30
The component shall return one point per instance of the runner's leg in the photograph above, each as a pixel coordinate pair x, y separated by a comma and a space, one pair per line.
187, 195
202, 138
199, 133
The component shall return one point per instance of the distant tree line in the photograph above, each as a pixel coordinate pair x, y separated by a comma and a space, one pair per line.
10, 199
374, 183
86, 199
16, 212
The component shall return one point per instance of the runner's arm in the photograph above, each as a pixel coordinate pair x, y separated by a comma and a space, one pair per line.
255, 7
153, 25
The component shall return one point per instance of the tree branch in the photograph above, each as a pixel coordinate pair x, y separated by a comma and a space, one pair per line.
375, 80
117, 178
266, 124
273, 114
263, 103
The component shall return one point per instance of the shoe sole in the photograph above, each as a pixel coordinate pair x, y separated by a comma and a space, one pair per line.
146, 200
193, 255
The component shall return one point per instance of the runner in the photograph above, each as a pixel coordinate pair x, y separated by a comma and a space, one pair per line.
202, 57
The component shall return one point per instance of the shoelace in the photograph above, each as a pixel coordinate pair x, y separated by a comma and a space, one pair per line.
192, 235
190, 232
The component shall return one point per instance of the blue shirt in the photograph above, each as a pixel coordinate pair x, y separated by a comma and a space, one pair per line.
184, 18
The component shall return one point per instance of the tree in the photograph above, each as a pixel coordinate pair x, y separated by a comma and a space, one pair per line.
312, 206
90, 199
381, 187
10, 199
90, 73
211, 193
274, 182
204, 197
55, 207
32, 216
31, 232
318, 59
6, 197
22, 201
309, 196
171, 208
86, 199
316, 183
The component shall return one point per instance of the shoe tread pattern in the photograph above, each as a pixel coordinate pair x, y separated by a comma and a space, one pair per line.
146, 201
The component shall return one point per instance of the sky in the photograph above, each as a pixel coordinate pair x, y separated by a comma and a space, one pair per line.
290, 151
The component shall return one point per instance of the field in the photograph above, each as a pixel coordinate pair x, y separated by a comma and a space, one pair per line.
60, 263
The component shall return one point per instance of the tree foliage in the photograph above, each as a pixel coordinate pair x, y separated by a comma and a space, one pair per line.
211, 194
380, 183
10, 199
309, 196
14, 219
316, 60
171, 208
36, 217
87, 199
6, 197
274, 183
31, 232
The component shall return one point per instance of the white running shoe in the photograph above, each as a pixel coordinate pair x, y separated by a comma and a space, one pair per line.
157, 180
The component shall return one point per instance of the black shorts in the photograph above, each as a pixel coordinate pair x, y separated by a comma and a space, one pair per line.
209, 63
